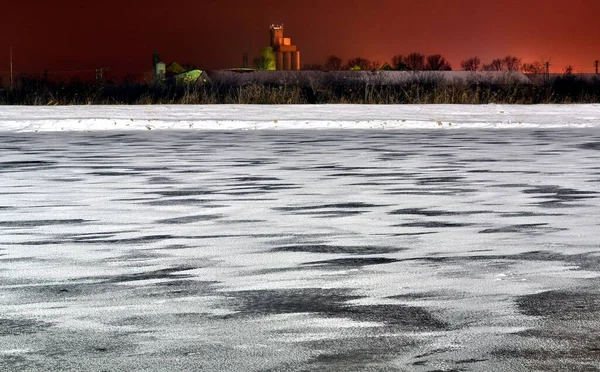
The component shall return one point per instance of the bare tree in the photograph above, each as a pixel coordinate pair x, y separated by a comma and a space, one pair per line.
333, 63
359, 63
399, 62
471, 64
569, 70
536, 67
436, 62
495, 65
415, 61
511, 63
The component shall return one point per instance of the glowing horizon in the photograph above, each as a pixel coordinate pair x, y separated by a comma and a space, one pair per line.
215, 35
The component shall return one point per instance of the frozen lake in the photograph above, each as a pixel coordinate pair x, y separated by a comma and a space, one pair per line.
348, 250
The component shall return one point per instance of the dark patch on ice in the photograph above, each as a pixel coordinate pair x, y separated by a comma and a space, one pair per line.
352, 262
19, 259
558, 195
20, 326
33, 164
414, 233
355, 205
513, 185
332, 303
470, 361
325, 248
438, 180
150, 169
530, 228
233, 222
432, 213
433, 224
137, 240
529, 214
251, 163
243, 193
169, 273
256, 186
569, 319
37, 223
563, 305
331, 214
447, 191
160, 180
205, 203
372, 352
188, 192
587, 261
181, 288
395, 175
255, 178
113, 174
174, 247
590, 146
424, 295
66, 180
190, 219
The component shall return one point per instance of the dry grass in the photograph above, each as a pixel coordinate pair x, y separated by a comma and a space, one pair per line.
418, 91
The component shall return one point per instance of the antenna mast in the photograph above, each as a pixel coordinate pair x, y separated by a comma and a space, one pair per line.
11, 69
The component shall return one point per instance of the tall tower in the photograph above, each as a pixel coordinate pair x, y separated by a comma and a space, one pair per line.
276, 35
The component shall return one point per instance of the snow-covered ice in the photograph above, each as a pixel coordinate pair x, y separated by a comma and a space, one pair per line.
300, 250
250, 117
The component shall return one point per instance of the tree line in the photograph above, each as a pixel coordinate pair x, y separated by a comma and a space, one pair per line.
434, 62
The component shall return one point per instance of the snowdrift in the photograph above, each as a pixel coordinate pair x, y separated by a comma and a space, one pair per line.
274, 117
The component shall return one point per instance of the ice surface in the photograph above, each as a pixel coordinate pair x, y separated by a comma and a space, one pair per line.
300, 250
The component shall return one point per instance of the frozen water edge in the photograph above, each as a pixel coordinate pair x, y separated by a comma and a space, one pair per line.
285, 117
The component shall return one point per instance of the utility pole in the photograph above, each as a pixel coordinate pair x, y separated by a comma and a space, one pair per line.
596, 63
245, 61
11, 70
100, 74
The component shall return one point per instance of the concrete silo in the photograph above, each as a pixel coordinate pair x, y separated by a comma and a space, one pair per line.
284, 54
296, 61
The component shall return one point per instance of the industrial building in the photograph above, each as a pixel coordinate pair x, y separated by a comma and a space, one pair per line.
175, 73
282, 54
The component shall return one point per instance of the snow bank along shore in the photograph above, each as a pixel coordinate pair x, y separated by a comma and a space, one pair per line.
253, 117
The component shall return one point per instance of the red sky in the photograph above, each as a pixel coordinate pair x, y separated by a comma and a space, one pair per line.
66, 35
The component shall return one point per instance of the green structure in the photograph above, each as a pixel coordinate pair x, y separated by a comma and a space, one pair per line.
267, 59
190, 77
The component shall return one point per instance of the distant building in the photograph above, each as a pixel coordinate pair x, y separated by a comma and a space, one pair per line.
175, 68
160, 70
158, 66
175, 73
281, 54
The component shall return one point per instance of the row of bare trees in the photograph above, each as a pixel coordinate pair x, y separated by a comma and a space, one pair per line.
410, 62
508, 63
434, 62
